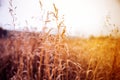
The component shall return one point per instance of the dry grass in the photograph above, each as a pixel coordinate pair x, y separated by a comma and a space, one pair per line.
42, 56
37, 56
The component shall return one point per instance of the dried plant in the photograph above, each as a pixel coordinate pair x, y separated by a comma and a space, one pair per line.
45, 56
12, 11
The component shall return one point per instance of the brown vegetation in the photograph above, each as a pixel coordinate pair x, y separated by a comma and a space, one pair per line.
37, 56
42, 56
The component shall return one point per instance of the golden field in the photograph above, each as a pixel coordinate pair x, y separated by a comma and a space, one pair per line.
42, 56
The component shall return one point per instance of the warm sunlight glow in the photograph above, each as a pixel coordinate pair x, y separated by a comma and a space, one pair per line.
86, 17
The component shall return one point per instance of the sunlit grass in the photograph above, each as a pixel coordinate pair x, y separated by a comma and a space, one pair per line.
44, 56
40, 56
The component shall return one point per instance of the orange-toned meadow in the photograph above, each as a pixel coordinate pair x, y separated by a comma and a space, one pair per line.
38, 56
43, 56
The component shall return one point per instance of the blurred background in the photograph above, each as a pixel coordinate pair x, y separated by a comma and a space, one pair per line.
81, 17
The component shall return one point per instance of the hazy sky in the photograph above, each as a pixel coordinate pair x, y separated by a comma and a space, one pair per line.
82, 17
